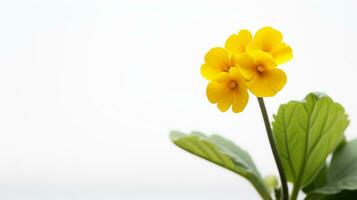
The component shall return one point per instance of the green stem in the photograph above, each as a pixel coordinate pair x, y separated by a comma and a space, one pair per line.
295, 192
283, 181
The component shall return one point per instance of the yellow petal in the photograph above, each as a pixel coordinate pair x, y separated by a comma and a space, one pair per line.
266, 38
233, 60
276, 79
282, 53
245, 37
209, 72
232, 45
224, 104
251, 47
217, 58
216, 91
235, 75
217, 88
240, 100
236, 43
222, 78
264, 59
260, 87
247, 66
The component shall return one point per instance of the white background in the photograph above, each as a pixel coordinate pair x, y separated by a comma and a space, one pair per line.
89, 91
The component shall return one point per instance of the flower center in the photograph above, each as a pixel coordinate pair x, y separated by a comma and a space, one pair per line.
233, 84
260, 68
226, 68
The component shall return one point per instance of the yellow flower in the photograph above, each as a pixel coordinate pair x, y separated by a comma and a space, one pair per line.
245, 63
228, 89
263, 77
269, 40
217, 60
237, 43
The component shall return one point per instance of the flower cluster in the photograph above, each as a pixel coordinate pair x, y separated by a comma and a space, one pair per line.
245, 63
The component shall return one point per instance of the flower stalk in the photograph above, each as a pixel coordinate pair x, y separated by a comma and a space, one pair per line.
285, 189
295, 192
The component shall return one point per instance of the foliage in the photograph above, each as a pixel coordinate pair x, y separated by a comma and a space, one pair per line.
224, 153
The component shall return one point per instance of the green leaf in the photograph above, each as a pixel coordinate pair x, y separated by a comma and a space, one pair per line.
342, 174
306, 133
343, 195
224, 153
319, 180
